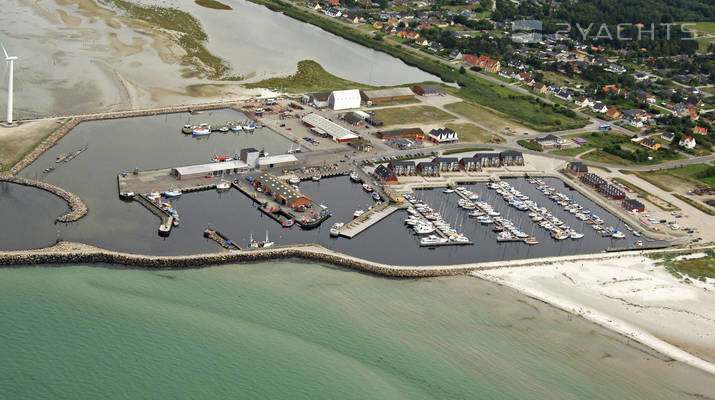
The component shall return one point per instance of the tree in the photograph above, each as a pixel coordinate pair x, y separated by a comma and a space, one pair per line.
462, 70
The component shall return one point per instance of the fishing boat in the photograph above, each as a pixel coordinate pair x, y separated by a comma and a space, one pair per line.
316, 177
259, 111
187, 129
235, 127
201, 130
256, 244
172, 193
367, 187
223, 129
376, 196
288, 223
531, 241
355, 177
335, 229
250, 127
294, 180
358, 213
223, 185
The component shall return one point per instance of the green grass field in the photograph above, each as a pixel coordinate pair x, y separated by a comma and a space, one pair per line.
412, 115
528, 145
595, 140
690, 172
473, 134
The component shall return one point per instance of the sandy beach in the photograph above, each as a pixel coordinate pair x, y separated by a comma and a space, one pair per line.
630, 295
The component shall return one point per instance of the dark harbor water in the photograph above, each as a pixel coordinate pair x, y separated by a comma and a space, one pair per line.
27, 217
155, 142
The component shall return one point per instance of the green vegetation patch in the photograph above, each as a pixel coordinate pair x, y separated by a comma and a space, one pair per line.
412, 115
466, 150
527, 144
216, 5
310, 77
596, 140
473, 133
696, 268
191, 39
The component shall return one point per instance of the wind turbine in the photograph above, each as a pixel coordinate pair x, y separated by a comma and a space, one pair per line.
10, 60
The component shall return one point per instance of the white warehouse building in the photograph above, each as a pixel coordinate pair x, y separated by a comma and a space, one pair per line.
344, 99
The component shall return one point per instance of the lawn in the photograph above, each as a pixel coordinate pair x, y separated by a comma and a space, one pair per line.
681, 178
474, 134
412, 115
485, 116
595, 140
608, 158
527, 110
310, 77
705, 31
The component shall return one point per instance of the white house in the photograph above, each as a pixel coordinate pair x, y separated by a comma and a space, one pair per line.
344, 99
443, 135
599, 107
687, 142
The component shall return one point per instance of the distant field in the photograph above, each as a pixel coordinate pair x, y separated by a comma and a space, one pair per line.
474, 134
679, 179
485, 116
412, 115
705, 31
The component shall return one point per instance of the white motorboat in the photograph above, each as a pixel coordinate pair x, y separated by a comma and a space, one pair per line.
335, 229
575, 235
358, 213
223, 185
432, 239
448, 191
294, 180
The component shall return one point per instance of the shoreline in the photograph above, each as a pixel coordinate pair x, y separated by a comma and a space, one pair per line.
605, 319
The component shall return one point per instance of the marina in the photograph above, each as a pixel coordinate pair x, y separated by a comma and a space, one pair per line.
152, 148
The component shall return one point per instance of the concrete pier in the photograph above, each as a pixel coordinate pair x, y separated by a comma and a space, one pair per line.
167, 220
370, 218
221, 239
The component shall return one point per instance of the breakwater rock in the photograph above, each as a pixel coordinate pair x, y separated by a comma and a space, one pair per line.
77, 207
77, 253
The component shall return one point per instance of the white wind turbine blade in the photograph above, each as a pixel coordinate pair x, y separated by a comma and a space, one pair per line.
4, 51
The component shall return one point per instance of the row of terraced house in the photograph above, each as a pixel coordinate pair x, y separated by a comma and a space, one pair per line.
388, 174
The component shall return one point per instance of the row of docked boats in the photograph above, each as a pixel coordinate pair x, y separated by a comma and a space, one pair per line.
485, 214
424, 220
577, 210
541, 216
204, 129
156, 199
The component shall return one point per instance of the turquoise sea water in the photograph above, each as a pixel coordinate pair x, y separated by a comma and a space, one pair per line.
290, 330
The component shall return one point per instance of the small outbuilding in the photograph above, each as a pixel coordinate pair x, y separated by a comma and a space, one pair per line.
429, 90
633, 205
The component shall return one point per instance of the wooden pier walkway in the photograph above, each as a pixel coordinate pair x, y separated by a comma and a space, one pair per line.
370, 218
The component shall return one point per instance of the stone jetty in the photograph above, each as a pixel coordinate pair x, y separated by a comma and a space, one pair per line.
77, 207
78, 253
